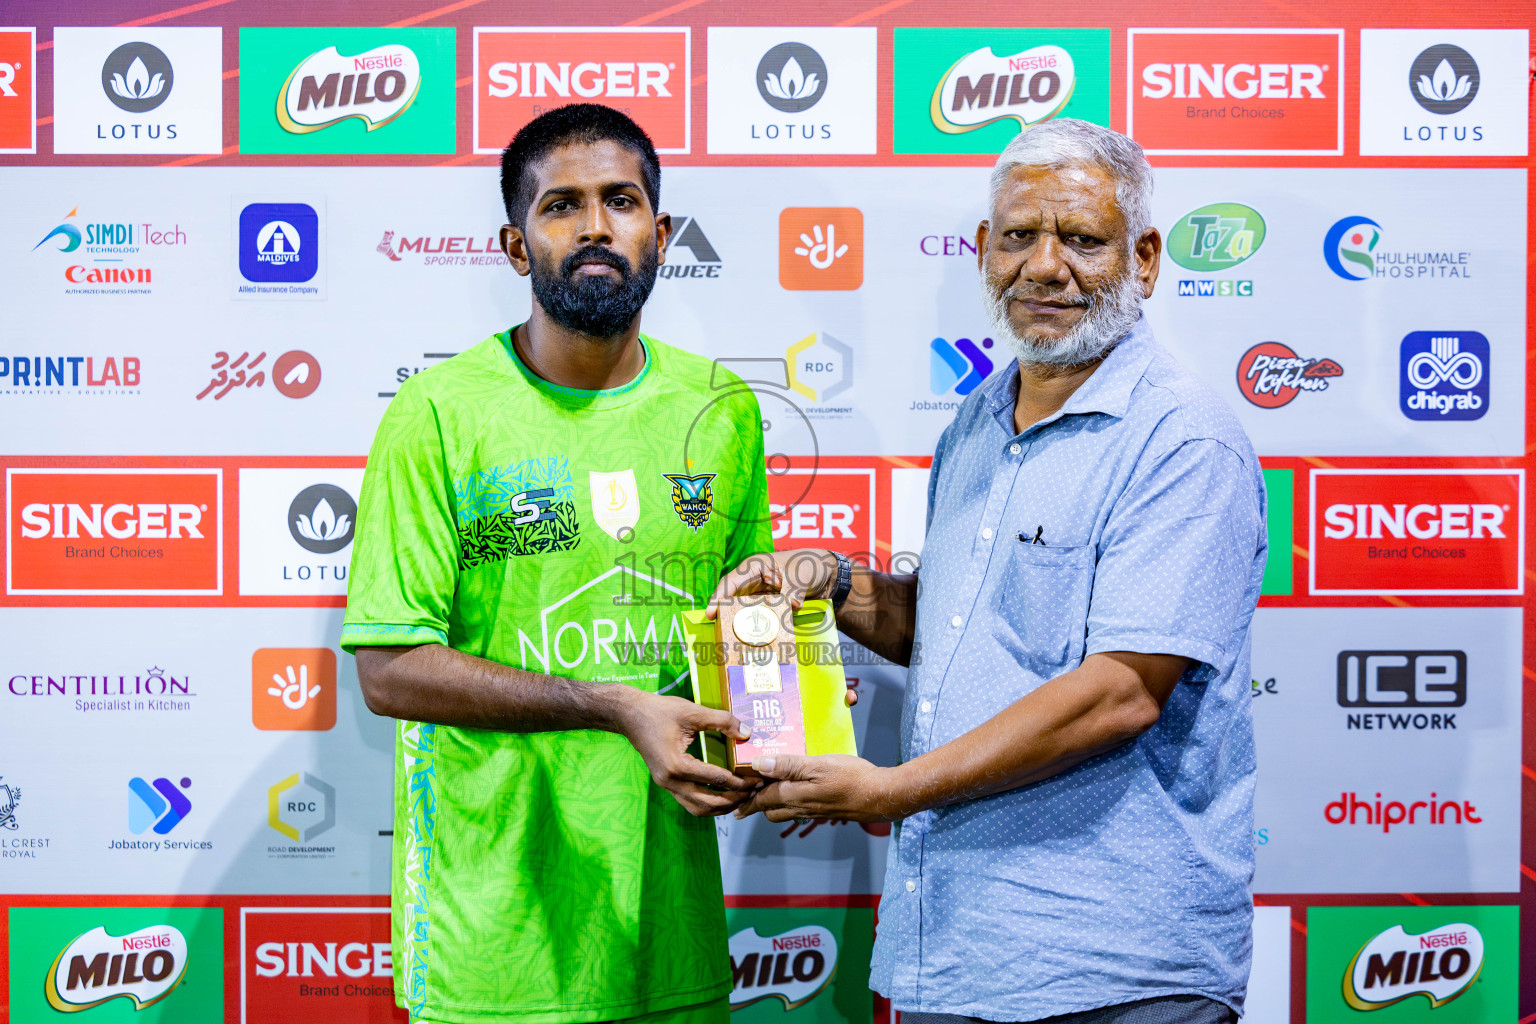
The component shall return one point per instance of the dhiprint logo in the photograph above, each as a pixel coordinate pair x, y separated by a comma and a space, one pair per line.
321, 518
1444, 375
821, 248
1348, 247
137, 77
1271, 374
958, 366
143, 967
160, 806
1439, 965
791, 77
1444, 79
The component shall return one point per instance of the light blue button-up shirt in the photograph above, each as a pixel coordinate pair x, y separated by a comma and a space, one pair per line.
1125, 877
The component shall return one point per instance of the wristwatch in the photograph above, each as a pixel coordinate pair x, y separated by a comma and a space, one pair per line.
844, 580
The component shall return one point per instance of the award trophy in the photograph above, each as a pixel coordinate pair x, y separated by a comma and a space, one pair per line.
778, 671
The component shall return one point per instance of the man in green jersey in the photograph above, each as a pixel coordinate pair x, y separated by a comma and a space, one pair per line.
535, 514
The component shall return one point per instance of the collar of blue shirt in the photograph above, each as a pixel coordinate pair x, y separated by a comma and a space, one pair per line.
1107, 390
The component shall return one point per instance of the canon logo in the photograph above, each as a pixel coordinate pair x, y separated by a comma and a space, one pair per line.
1447, 522
306, 959
148, 521
588, 79
1234, 81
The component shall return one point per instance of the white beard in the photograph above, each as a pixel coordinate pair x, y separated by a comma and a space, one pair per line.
1112, 312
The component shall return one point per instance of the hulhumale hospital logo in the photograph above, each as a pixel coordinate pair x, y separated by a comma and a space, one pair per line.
1353, 251
1349, 245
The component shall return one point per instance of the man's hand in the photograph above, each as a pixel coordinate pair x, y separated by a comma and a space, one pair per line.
835, 786
799, 575
661, 728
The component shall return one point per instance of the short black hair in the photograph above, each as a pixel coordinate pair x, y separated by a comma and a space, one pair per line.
575, 122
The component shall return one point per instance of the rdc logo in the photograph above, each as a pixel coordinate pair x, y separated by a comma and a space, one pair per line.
1444, 375
279, 243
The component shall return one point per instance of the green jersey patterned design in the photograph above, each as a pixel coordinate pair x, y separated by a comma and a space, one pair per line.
542, 877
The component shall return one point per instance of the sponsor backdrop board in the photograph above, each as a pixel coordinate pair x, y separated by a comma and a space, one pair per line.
237, 228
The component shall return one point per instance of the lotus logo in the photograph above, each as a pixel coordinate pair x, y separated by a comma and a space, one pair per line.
143, 966
1216, 237
982, 87
1348, 247
137, 77
1439, 965
957, 365
1443, 79
791, 77
321, 518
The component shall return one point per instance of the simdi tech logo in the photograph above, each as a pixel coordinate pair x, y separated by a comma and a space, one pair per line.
1452, 965
1417, 531
347, 90
520, 73
107, 254
1236, 91
18, 90
1444, 92
113, 531
963, 90
114, 963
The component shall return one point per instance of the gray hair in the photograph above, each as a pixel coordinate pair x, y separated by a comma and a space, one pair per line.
1064, 141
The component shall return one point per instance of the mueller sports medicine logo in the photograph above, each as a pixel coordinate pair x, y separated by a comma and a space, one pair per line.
327, 87
1411, 531
983, 87
1395, 965
1270, 374
1396, 685
106, 531
793, 966
461, 250
1352, 249
521, 73
1445, 375
142, 967
1226, 91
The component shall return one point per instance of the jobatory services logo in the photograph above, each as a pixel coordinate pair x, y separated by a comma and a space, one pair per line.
703, 260
1401, 690
963, 90
1458, 965
316, 963
110, 256
1443, 92
1417, 531
520, 73
113, 532
296, 529
1236, 91
829, 507
821, 248
127, 91
347, 90
117, 963
293, 689
18, 90
1271, 374
160, 805
957, 366
1445, 375
1352, 249
802, 90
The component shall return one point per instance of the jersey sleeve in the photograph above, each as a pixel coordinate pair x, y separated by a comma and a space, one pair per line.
404, 569
752, 533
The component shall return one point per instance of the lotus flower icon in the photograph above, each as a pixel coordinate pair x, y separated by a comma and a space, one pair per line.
323, 524
1446, 86
791, 83
140, 84
791, 77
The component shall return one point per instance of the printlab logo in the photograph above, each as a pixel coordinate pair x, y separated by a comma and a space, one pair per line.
10, 796
821, 248
688, 235
958, 366
279, 247
302, 807
1444, 375
1439, 964
791, 77
1271, 374
321, 518
1444, 79
137, 77
145, 967
160, 806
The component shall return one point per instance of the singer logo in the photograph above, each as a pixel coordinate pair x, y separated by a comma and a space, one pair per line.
827, 508
1440, 965
793, 966
522, 73
317, 963
1224, 91
1410, 531
142, 967
113, 531
18, 95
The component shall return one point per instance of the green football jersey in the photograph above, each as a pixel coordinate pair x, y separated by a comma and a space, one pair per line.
543, 876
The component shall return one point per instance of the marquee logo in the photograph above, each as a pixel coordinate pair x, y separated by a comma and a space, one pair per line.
1444, 375
1439, 965
327, 87
1236, 91
688, 235
1270, 374
1417, 531
520, 73
143, 967
959, 366
793, 966
1444, 79
113, 531
1216, 237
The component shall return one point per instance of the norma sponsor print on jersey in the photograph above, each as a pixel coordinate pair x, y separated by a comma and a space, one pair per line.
520, 73
1236, 91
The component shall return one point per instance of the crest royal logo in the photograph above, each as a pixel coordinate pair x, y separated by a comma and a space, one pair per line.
326, 88
1271, 374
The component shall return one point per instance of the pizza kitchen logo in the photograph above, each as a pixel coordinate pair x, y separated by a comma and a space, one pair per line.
1395, 965
142, 967
1270, 374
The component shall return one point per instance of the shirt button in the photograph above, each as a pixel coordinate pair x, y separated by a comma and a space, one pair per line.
926, 706
986, 533
911, 886
957, 622
1014, 449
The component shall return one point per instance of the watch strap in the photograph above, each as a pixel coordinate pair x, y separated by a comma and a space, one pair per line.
844, 584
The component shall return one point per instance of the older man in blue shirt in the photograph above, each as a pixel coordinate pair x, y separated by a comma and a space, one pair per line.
1075, 798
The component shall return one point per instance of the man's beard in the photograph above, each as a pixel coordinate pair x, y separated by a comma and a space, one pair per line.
1111, 312
592, 304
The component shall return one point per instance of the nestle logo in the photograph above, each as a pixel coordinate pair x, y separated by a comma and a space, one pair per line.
810, 941
1402, 679
160, 941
